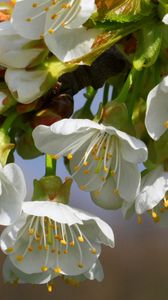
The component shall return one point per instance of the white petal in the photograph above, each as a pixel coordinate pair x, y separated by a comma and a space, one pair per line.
157, 110
69, 263
85, 11
12, 274
23, 10
128, 209
9, 234
13, 193
69, 126
102, 230
25, 85
130, 180
165, 19
6, 28
11, 53
133, 150
61, 135
154, 187
106, 197
56, 211
80, 42
96, 272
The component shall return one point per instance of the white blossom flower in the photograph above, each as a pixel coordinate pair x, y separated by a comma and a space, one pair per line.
12, 274
96, 153
57, 22
153, 189
12, 193
51, 235
165, 19
157, 110
14, 50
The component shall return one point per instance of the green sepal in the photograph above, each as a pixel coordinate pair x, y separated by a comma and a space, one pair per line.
149, 44
51, 188
25, 145
116, 114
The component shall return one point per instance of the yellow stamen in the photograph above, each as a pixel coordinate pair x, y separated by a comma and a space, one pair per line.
44, 268
93, 251
63, 242
51, 30
155, 217
96, 193
57, 270
165, 202
81, 239
54, 156
82, 187
28, 19
70, 156
58, 237
9, 250
40, 247
30, 249
116, 192
86, 172
166, 124
19, 258
113, 173
139, 219
31, 231
81, 266
54, 16
65, 251
50, 287
85, 163
66, 5
106, 169
53, 250
72, 244
162, 210
34, 5
76, 168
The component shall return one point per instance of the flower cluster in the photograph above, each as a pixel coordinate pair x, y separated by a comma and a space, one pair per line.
49, 50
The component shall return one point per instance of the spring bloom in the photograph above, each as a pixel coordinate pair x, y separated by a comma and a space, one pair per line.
153, 189
16, 51
96, 153
51, 235
57, 22
12, 193
156, 120
152, 197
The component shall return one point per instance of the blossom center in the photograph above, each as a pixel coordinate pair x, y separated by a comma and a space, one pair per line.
53, 238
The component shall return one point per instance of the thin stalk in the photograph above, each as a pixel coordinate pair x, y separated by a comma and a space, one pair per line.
50, 165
